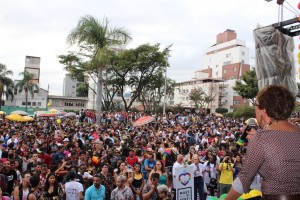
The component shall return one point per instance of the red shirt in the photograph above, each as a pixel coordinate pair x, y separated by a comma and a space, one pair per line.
132, 161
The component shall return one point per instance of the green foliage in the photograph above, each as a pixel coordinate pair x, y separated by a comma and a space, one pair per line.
222, 110
248, 87
244, 111
6, 84
134, 109
96, 40
175, 109
200, 97
229, 114
27, 85
82, 90
140, 68
70, 110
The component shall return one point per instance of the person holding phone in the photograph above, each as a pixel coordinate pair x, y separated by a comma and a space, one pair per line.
227, 171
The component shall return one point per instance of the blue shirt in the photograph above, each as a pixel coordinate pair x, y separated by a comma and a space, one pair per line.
93, 193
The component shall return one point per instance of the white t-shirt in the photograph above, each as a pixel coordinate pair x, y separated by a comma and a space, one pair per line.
73, 189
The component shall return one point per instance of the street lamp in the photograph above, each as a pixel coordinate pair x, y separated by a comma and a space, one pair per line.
165, 91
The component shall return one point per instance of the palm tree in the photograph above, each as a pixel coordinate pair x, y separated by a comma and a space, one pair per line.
27, 85
6, 84
99, 39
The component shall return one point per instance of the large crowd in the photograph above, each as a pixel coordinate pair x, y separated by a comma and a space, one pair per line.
78, 159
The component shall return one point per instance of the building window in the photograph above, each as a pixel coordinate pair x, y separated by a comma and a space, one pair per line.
243, 53
236, 102
23, 103
226, 63
39, 103
28, 103
234, 69
33, 103
231, 77
243, 62
73, 86
224, 71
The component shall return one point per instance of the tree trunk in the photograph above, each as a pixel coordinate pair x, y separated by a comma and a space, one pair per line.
99, 95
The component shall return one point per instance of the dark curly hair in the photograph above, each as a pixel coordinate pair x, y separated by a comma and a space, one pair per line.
278, 101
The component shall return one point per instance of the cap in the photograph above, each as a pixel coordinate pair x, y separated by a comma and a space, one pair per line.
4, 145
66, 140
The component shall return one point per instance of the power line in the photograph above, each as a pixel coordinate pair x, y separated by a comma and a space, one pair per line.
297, 14
292, 7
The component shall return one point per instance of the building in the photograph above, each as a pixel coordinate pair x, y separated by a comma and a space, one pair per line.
67, 103
70, 86
32, 65
39, 100
224, 63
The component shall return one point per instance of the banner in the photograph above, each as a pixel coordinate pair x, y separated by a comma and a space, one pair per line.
184, 183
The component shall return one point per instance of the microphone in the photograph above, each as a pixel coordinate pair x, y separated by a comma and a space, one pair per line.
251, 123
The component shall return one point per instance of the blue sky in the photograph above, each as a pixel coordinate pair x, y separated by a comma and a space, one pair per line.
40, 28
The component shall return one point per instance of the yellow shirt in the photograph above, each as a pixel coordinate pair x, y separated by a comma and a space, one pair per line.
226, 174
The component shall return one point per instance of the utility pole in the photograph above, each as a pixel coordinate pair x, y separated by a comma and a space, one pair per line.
165, 91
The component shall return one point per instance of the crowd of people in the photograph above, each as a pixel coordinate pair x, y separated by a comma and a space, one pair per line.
75, 159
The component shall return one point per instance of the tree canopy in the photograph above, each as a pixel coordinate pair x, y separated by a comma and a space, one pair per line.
248, 86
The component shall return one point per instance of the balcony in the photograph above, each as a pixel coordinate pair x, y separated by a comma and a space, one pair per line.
222, 103
222, 85
223, 94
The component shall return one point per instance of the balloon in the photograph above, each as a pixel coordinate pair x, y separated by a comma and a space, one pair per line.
223, 196
58, 121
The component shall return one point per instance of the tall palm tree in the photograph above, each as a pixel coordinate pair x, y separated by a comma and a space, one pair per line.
6, 84
27, 85
99, 39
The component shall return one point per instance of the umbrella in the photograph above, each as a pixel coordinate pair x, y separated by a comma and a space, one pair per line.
28, 119
19, 112
143, 120
53, 110
219, 115
61, 113
2, 113
70, 114
15, 117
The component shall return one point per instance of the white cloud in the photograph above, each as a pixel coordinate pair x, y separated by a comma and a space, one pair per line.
39, 28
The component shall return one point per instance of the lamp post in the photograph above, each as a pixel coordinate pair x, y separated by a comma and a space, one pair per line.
165, 91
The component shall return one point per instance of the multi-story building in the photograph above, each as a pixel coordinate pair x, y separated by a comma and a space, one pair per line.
224, 63
70, 86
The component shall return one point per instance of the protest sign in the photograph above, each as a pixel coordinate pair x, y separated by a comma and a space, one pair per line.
184, 183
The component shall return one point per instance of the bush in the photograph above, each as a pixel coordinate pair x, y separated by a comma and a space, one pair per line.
69, 110
222, 110
229, 114
244, 111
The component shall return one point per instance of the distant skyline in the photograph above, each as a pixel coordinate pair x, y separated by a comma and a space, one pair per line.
40, 28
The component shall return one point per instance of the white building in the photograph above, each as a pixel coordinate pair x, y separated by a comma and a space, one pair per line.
39, 99
70, 86
224, 63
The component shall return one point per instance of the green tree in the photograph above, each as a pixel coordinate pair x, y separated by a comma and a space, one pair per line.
96, 41
82, 90
152, 94
244, 111
27, 85
222, 110
135, 68
248, 86
6, 84
202, 98
196, 95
